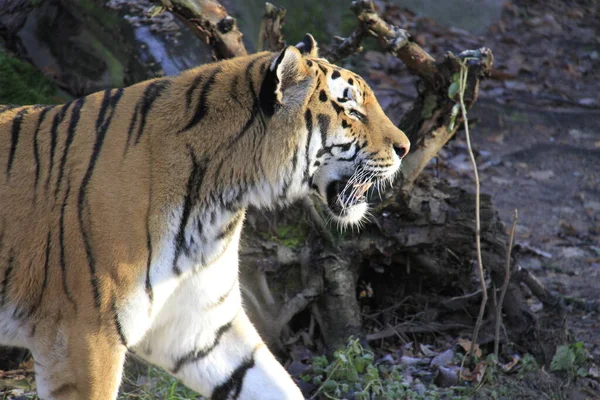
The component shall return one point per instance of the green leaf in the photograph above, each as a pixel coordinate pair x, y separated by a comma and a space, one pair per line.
342, 357
330, 385
563, 360
453, 89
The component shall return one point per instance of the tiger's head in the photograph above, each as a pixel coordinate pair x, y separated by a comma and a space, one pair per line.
346, 143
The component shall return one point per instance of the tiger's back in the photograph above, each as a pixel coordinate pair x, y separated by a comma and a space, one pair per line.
120, 215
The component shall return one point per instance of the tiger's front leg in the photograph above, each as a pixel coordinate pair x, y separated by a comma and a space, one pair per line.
211, 345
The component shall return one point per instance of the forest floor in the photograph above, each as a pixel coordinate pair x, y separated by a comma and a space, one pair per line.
536, 133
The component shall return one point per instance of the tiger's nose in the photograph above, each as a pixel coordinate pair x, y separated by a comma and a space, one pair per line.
401, 149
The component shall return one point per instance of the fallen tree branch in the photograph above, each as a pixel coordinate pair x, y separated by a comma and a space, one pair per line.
270, 36
210, 21
538, 289
411, 327
396, 41
345, 47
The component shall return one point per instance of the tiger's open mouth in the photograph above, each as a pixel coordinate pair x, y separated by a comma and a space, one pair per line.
343, 195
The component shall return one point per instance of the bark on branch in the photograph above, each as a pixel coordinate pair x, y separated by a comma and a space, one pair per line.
270, 37
210, 21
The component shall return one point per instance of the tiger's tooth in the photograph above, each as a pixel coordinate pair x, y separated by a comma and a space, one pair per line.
362, 188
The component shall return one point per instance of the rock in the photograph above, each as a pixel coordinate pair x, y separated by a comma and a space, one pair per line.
573, 252
297, 368
406, 360
592, 206
443, 359
445, 377
541, 175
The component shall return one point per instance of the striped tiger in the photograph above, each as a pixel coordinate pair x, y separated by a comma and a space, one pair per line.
121, 212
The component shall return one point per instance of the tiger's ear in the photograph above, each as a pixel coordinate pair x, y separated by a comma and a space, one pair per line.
286, 81
308, 45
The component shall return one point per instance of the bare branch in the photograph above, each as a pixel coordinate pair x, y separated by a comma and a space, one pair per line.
210, 21
347, 46
505, 283
395, 40
270, 37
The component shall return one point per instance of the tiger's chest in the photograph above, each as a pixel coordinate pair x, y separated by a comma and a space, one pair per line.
201, 269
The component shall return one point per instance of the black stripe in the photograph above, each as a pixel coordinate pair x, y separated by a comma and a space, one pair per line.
345, 124
191, 90
70, 135
256, 109
230, 227
6, 280
338, 109
350, 81
58, 117
45, 281
118, 326
132, 126
322, 68
197, 355
335, 74
61, 241
149, 291
202, 108
192, 189
232, 387
152, 92
309, 128
324, 121
102, 125
234, 92
225, 295
36, 150
14, 139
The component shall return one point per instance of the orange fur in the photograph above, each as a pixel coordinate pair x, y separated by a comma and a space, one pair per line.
109, 182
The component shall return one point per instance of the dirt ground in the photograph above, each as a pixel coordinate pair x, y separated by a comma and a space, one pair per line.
536, 132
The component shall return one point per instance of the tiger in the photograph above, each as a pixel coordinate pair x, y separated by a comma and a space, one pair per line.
121, 213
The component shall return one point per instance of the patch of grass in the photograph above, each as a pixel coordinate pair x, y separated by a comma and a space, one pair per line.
154, 384
353, 374
21, 83
292, 236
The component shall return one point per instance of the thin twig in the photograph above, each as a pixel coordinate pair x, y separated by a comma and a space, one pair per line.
484, 296
511, 240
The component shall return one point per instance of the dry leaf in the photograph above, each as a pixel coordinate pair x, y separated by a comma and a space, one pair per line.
466, 345
479, 372
510, 365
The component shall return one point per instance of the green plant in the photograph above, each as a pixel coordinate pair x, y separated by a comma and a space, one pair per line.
21, 83
570, 358
155, 384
